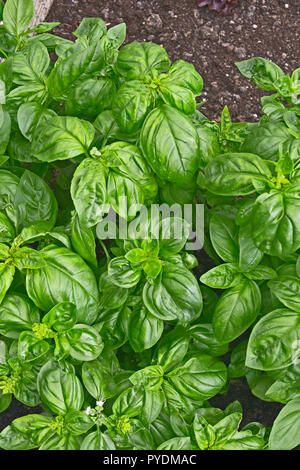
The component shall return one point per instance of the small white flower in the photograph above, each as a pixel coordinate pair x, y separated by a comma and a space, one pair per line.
88, 410
100, 402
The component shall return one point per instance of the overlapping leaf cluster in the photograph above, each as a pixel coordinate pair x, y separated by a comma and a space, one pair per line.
118, 340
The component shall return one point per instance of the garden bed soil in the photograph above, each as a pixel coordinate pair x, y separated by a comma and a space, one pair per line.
213, 43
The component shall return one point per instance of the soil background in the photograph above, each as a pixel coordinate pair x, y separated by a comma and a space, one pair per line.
213, 43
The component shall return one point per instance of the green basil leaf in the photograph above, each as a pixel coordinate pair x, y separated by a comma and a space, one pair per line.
6, 277
138, 59
121, 273
88, 191
83, 241
144, 329
62, 317
65, 278
17, 15
60, 391
174, 295
97, 441
34, 202
170, 144
131, 105
234, 174
85, 342
200, 378
61, 138
285, 434
74, 68
236, 310
223, 276
274, 341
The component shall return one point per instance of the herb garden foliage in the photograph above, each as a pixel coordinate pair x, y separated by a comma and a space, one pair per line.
120, 349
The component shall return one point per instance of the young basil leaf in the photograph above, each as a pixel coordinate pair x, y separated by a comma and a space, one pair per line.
150, 378
62, 317
223, 276
85, 342
121, 273
263, 72
204, 432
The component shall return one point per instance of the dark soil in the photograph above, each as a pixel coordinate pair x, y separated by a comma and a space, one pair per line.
213, 43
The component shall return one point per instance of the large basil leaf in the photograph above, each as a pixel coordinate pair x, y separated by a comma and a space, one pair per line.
138, 59
131, 104
278, 214
268, 138
61, 138
200, 378
34, 202
17, 15
65, 278
170, 144
175, 294
17, 313
232, 174
236, 310
285, 434
78, 66
90, 97
287, 290
144, 329
274, 341
88, 191
30, 115
60, 391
